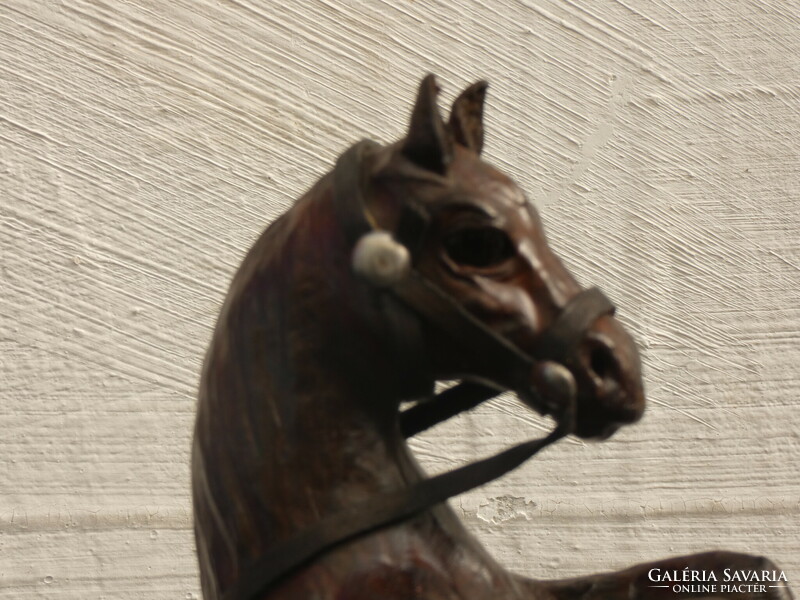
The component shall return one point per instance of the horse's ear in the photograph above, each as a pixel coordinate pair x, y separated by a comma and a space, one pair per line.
428, 143
466, 117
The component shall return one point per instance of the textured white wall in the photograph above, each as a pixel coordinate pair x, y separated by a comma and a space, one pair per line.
144, 145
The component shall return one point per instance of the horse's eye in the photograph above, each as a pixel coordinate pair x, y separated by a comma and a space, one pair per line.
479, 247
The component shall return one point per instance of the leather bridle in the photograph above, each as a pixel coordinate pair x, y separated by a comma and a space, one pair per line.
410, 299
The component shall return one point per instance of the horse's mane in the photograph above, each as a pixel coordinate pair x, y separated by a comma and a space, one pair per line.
263, 324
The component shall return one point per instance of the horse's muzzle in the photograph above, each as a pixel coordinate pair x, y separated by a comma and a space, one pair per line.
607, 371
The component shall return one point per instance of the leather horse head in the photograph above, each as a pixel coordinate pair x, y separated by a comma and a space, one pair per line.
440, 217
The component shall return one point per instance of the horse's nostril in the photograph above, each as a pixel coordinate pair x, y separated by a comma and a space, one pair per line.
602, 362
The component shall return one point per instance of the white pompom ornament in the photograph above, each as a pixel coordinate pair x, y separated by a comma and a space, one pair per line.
380, 259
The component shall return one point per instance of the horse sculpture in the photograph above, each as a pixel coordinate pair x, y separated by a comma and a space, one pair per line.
406, 265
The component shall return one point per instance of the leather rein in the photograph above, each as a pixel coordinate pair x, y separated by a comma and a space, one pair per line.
415, 298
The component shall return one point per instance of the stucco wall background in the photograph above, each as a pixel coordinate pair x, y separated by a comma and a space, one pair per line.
144, 145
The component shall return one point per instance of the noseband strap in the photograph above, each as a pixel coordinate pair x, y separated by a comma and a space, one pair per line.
558, 341
428, 302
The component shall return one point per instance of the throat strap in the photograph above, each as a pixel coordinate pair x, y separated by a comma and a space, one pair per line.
455, 400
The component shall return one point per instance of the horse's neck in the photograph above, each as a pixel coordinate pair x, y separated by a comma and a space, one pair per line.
295, 390
330, 452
